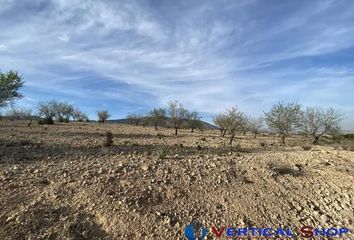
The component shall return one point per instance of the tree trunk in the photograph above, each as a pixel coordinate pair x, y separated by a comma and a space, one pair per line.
244, 133
176, 129
255, 135
231, 139
156, 127
283, 139
315, 139
221, 131
223, 134
192, 130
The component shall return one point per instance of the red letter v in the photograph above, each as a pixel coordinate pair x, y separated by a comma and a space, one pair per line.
217, 232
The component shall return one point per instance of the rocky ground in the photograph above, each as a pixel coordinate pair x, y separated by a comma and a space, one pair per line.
60, 182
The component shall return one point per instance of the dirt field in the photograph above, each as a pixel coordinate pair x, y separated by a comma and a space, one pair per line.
59, 182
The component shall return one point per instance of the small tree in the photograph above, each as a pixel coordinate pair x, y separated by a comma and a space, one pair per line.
246, 126
177, 114
103, 116
194, 121
79, 116
222, 122
235, 121
10, 83
138, 119
47, 111
83, 117
157, 116
317, 121
335, 133
76, 114
133, 119
284, 118
255, 125
63, 111
19, 113
130, 118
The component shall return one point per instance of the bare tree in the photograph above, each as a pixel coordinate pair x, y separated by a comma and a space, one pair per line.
68, 111
63, 111
10, 83
221, 121
130, 118
133, 119
76, 114
103, 115
138, 119
336, 133
19, 113
194, 120
79, 116
235, 122
284, 118
157, 116
46, 110
177, 113
317, 121
245, 127
255, 125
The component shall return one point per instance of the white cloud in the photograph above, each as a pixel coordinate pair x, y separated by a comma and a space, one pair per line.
209, 55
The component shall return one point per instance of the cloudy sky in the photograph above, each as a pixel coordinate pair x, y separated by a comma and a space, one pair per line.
130, 56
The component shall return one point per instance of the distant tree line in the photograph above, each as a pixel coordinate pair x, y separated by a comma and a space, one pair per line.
175, 113
283, 118
59, 111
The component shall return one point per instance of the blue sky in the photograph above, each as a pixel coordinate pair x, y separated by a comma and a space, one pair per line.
131, 56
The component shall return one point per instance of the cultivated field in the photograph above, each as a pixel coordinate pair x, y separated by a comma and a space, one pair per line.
59, 182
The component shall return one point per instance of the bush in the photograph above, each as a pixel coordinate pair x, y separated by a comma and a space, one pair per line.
349, 136
161, 152
109, 139
347, 145
46, 121
306, 148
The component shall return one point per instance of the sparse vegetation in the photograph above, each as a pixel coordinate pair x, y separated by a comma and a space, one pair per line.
177, 114
19, 113
221, 121
63, 111
79, 116
109, 139
284, 118
103, 115
134, 119
161, 152
306, 147
317, 122
235, 122
46, 111
157, 116
194, 121
255, 125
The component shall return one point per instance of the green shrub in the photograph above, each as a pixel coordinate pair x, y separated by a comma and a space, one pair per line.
46, 121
